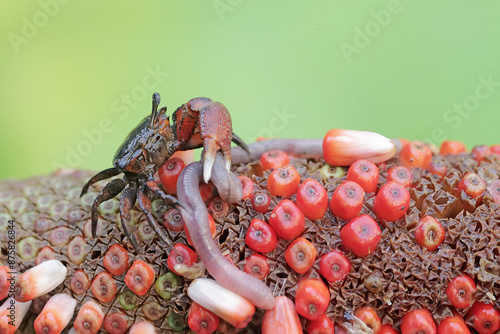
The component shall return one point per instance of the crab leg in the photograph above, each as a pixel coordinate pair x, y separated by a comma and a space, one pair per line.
168, 199
112, 189
145, 205
127, 201
105, 174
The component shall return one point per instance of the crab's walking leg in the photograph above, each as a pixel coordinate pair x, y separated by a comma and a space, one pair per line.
168, 199
105, 174
127, 201
145, 205
112, 189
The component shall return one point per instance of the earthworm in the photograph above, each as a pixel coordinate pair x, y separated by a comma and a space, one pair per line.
196, 217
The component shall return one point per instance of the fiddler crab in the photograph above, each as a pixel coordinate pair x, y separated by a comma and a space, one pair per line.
200, 122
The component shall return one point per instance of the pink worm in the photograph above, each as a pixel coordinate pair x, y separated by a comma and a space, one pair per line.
196, 217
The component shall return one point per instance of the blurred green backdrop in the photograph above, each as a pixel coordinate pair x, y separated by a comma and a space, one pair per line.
77, 76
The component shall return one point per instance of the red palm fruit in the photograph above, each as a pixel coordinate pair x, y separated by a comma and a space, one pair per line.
324, 325
300, 255
484, 318
12, 314
361, 235
415, 154
247, 185
494, 190
213, 229
429, 233
116, 323
453, 325
89, 318
169, 173
172, 220
391, 202
261, 202
401, 175
79, 283
44, 254
364, 173
287, 220
347, 200
438, 167
418, 322
39, 280
181, 254
260, 236
312, 199
56, 314
370, 318
452, 147
142, 327
334, 266
4, 283
479, 152
387, 329
460, 291
283, 181
344, 147
311, 298
257, 266
104, 287
201, 320
472, 184
218, 208
282, 319
116, 260
207, 191
274, 159
140, 277
495, 149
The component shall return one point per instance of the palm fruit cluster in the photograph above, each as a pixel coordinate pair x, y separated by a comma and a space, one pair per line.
53, 222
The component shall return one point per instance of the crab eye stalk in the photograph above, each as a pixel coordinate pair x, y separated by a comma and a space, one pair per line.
155, 113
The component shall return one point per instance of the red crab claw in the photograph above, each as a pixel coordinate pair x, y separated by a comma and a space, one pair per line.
202, 121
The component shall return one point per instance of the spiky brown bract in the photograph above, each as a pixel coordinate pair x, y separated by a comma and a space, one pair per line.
411, 277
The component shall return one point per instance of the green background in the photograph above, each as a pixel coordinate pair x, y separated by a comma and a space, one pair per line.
278, 66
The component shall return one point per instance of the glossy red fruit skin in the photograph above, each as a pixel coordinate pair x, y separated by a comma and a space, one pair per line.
259, 261
146, 273
387, 329
391, 202
452, 147
300, 255
370, 318
206, 191
283, 181
347, 200
116, 260
401, 175
311, 298
438, 167
169, 173
418, 322
480, 152
361, 235
181, 254
324, 325
287, 220
429, 233
472, 184
494, 190
415, 154
261, 237
483, 317
199, 315
312, 199
274, 159
334, 266
282, 319
364, 173
261, 202
104, 278
460, 291
452, 325
247, 185
495, 149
